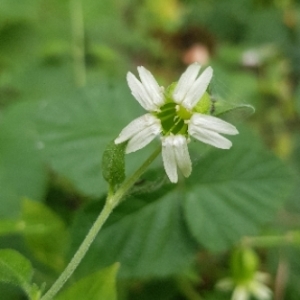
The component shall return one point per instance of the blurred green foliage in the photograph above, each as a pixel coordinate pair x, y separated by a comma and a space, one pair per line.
63, 98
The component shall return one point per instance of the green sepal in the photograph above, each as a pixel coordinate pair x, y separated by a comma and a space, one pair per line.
169, 92
113, 163
244, 264
204, 104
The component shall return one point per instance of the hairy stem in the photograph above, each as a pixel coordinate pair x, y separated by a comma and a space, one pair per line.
111, 202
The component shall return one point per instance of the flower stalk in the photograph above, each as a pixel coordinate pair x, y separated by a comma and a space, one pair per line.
111, 202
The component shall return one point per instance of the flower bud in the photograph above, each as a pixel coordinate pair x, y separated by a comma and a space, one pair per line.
244, 264
204, 104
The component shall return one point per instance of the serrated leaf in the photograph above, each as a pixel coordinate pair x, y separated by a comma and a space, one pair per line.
147, 237
229, 194
15, 269
113, 163
233, 193
76, 129
99, 285
45, 233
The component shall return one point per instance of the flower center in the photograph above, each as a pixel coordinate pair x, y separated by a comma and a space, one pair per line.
172, 117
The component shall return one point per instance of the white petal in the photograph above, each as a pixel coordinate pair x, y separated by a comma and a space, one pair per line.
169, 159
225, 284
209, 137
136, 126
143, 138
262, 277
152, 87
260, 291
198, 88
185, 82
240, 293
182, 155
213, 124
139, 92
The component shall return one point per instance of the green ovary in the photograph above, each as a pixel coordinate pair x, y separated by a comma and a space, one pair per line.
183, 113
172, 117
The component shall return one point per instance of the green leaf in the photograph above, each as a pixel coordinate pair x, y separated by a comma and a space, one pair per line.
15, 269
17, 9
10, 226
45, 234
291, 256
232, 193
231, 111
99, 285
76, 128
232, 88
297, 100
113, 163
160, 289
273, 31
293, 205
22, 173
146, 236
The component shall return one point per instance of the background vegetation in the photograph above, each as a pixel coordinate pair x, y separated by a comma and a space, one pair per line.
63, 97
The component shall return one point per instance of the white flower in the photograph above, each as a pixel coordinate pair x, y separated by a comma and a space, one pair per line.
255, 287
174, 116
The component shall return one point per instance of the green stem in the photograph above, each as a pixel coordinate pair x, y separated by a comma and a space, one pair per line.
65, 275
290, 238
111, 202
187, 289
78, 42
129, 182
